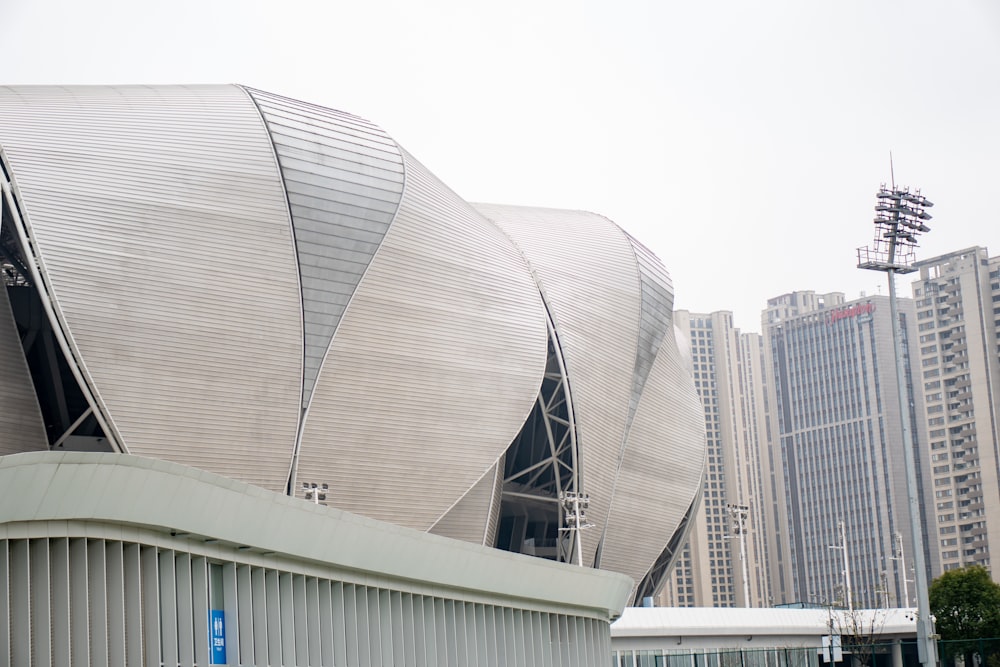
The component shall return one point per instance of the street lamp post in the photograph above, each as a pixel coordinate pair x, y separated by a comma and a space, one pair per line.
847, 567
900, 558
899, 219
575, 506
740, 513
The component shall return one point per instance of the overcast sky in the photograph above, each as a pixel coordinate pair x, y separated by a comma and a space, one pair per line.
743, 142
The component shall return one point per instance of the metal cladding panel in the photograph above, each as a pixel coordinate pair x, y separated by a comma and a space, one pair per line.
160, 222
661, 467
344, 179
436, 364
586, 270
473, 517
21, 427
656, 317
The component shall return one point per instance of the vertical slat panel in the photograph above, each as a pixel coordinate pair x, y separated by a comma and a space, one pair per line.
41, 631
79, 632
541, 636
5, 620
509, 645
464, 614
200, 609
245, 603
482, 641
168, 607
300, 616
261, 629
20, 604
586, 639
553, 630
397, 623
326, 621
517, 626
547, 638
579, 638
556, 626
274, 632
153, 637
230, 596
351, 626
533, 641
185, 609
115, 568
605, 640
340, 630
385, 629
441, 632
132, 578
313, 621
409, 628
364, 631
97, 591
424, 632
597, 648
490, 616
453, 630
59, 568
286, 595
567, 632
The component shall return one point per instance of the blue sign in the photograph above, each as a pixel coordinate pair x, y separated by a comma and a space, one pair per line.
217, 633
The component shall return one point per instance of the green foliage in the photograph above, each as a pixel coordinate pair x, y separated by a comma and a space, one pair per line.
966, 603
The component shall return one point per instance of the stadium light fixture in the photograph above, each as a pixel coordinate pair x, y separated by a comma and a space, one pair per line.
315, 492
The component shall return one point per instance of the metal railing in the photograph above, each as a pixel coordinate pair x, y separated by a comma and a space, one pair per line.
958, 653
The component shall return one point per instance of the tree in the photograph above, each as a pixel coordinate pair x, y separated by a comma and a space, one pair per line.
861, 631
966, 604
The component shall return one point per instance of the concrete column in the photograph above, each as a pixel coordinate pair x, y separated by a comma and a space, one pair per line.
897, 654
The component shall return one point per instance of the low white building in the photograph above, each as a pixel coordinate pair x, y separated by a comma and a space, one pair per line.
771, 637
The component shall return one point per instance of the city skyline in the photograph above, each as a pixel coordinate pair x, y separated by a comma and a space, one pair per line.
832, 416
743, 144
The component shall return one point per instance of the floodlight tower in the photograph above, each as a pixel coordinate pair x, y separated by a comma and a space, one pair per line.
899, 219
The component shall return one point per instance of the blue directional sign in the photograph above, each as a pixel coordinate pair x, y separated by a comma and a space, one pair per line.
217, 633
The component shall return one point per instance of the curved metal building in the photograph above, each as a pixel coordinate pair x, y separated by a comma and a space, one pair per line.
277, 293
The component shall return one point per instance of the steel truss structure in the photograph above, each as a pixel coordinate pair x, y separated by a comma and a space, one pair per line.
542, 487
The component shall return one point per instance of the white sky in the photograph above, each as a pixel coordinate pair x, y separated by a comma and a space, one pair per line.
743, 142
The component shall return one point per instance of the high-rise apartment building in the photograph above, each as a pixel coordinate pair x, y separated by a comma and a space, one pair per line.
836, 422
728, 374
804, 430
958, 311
